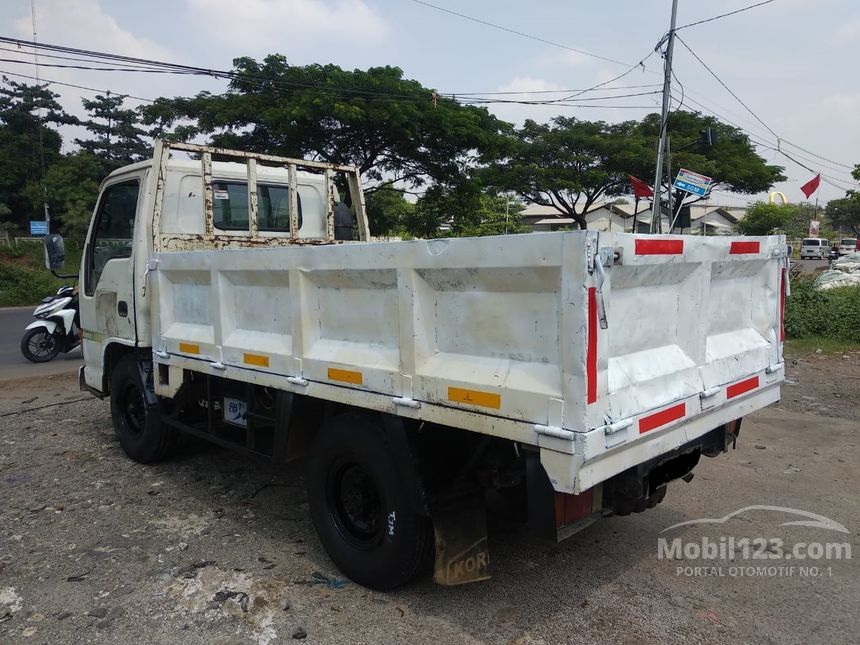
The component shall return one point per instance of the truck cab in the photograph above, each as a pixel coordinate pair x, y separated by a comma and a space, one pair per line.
114, 300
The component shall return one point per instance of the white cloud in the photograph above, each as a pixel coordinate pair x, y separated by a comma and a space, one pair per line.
254, 27
86, 25
849, 30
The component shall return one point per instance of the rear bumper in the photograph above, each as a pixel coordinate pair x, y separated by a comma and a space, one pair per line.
604, 452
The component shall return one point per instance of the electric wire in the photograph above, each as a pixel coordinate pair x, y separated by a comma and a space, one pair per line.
522, 34
723, 15
79, 87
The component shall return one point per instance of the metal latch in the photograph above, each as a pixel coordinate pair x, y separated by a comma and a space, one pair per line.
605, 257
776, 367
406, 402
297, 380
618, 426
151, 265
555, 432
711, 391
217, 365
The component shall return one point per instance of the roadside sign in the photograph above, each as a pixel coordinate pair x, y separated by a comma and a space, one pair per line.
814, 228
692, 182
38, 227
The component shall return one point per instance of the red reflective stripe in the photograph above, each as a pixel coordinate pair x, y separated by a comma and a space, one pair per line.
659, 247
662, 418
591, 351
782, 305
740, 388
739, 248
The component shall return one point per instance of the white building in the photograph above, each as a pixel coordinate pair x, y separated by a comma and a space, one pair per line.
710, 219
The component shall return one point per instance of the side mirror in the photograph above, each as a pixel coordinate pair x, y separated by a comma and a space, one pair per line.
55, 252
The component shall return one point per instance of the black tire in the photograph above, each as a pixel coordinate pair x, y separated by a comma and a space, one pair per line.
362, 508
39, 346
137, 424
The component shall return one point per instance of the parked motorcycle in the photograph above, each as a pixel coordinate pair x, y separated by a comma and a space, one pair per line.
57, 328
832, 257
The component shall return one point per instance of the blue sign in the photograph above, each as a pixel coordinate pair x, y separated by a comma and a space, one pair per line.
693, 183
38, 227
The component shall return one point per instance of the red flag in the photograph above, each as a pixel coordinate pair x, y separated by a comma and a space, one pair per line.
640, 188
811, 186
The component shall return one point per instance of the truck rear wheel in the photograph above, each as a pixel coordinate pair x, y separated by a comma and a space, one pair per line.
362, 509
137, 423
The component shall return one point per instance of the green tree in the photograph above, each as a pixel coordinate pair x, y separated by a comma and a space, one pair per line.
26, 143
393, 129
118, 138
570, 164
387, 210
764, 219
73, 186
845, 212
732, 161
496, 215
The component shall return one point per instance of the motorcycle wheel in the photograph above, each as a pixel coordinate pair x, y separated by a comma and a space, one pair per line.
39, 346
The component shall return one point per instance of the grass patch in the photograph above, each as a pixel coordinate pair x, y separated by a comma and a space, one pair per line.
24, 280
826, 345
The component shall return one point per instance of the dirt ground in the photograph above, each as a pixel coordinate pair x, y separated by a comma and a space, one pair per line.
210, 547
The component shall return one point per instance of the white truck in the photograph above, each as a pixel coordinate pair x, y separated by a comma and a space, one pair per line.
573, 374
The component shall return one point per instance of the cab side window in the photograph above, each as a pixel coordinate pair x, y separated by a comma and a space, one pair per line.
113, 231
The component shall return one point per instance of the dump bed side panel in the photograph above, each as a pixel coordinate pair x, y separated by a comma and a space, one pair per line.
471, 324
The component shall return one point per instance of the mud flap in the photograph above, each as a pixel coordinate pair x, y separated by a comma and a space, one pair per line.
460, 527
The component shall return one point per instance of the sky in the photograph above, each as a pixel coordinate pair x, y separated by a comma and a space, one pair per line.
792, 62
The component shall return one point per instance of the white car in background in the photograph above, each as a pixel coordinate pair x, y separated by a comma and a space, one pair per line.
848, 245
814, 248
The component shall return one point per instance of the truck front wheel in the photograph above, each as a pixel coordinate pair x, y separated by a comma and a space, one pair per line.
362, 508
136, 422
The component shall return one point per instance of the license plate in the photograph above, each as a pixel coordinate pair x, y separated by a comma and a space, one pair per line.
235, 412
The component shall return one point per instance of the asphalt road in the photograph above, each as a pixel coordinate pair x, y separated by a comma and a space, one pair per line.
13, 365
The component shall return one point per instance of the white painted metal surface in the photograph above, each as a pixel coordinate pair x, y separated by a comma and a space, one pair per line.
526, 337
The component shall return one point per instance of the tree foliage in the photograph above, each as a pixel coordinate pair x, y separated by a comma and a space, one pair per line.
572, 165
26, 143
387, 211
393, 129
117, 138
845, 212
732, 161
764, 219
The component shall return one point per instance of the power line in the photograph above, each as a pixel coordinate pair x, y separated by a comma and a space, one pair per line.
519, 33
79, 87
176, 68
726, 87
723, 15
826, 178
618, 87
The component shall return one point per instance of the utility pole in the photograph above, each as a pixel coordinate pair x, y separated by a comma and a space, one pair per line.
664, 116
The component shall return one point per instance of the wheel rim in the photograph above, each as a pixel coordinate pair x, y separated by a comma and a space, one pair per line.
41, 344
356, 504
133, 409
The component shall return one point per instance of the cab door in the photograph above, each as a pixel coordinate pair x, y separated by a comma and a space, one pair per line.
107, 296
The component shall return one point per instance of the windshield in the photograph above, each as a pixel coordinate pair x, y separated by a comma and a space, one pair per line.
812, 242
849, 241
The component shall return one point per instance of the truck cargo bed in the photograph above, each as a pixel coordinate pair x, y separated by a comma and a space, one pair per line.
601, 349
